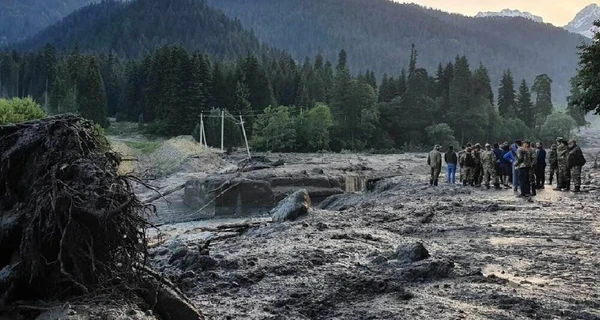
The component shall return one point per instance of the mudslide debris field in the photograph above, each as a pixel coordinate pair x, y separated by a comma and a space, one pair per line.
397, 250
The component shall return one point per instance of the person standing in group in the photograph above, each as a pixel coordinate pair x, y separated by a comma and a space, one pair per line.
488, 162
506, 163
523, 164
498, 166
515, 172
434, 160
467, 164
553, 159
478, 170
563, 174
533, 169
575, 161
460, 154
451, 160
540, 166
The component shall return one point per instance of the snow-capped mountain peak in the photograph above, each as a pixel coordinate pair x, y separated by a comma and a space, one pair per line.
584, 21
511, 13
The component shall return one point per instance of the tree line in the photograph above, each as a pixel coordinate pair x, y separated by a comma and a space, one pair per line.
286, 105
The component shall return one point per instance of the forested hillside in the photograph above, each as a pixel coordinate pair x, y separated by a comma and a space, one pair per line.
288, 106
130, 29
378, 33
20, 19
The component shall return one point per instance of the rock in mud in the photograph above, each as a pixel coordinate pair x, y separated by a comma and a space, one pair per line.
291, 208
411, 252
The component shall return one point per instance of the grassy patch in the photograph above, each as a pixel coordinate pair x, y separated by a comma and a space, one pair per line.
144, 146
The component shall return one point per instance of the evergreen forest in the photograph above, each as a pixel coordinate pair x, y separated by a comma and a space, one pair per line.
287, 105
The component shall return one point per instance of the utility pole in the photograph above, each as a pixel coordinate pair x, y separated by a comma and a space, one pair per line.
201, 130
222, 128
245, 138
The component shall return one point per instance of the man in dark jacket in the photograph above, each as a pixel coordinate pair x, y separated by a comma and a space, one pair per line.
451, 160
575, 161
540, 167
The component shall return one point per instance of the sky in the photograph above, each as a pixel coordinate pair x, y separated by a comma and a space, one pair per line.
557, 12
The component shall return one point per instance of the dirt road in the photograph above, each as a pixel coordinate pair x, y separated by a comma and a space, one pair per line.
401, 251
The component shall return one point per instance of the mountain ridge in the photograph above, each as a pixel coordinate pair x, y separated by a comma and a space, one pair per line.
20, 19
130, 29
583, 23
378, 35
511, 13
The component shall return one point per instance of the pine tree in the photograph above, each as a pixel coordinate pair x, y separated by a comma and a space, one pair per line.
342, 61
416, 107
542, 88
413, 60
574, 109
92, 97
483, 84
525, 108
507, 105
258, 84
460, 99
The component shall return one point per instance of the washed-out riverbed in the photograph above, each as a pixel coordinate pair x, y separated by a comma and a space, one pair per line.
401, 250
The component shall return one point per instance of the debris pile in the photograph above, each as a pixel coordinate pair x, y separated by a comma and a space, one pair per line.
69, 224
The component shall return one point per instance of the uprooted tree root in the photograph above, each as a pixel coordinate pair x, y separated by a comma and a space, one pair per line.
69, 224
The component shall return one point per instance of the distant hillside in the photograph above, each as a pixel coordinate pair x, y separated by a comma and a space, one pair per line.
20, 19
132, 28
378, 33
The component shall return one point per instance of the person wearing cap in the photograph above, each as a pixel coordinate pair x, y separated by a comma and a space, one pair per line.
515, 172
497, 166
575, 161
524, 164
451, 161
532, 169
540, 167
488, 162
563, 172
434, 160
467, 164
553, 159
478, 170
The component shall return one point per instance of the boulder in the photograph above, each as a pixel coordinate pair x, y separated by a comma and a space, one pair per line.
291, 208
411, 252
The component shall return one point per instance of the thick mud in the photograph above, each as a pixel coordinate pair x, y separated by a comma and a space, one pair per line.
402, 250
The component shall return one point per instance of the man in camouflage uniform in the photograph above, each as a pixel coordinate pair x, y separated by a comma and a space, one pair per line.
553, 164
478, 170
460, 168
575, 161
523, 164
467, 164
434, 160
563, 174
532, 170
488, 162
